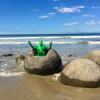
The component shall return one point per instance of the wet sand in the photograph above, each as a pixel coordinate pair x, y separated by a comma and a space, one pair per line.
33, 87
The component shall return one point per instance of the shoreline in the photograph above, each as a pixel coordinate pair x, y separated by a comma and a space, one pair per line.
35, 87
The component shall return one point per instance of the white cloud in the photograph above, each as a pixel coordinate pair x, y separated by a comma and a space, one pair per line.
93, 22
56, 7
71, 24
51, 14
88, 15
47, 16
55, 0
94, 7
69, 9
43, 17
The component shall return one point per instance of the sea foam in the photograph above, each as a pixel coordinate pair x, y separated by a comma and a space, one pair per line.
9, 74
47, 39
54, 42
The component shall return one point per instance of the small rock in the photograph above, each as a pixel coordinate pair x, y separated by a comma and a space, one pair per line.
6, 55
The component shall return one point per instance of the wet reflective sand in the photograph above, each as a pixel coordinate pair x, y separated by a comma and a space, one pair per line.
33, 87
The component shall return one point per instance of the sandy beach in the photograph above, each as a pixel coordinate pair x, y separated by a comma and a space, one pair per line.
34, 87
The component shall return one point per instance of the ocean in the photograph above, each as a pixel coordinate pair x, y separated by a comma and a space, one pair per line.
65, 44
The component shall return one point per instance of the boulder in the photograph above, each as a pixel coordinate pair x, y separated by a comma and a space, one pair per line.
43, 65
94, 56
82, 73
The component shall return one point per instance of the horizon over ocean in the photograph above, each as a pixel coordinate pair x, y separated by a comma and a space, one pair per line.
53, 34
63, 38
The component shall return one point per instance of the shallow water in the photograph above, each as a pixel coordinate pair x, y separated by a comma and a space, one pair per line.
33, 87
48, 89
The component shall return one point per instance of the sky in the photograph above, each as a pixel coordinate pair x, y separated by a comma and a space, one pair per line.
49, 16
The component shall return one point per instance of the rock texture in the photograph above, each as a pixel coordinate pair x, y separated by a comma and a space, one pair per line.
94, 56
45, 65
81, 72
68, 59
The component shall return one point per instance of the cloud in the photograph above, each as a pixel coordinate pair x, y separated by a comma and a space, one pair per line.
55, 0
47, 16
43, 17
94, 7
93, 22
88, 15
69, 9
71, 24
51, 14
56, 7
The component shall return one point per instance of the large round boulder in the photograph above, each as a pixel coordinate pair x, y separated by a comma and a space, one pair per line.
43, 65
82, 73
94, 56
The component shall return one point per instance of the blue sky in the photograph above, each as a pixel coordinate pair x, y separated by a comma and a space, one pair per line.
49, 16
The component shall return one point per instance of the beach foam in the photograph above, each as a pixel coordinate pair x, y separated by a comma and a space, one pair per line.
48, 37
46, 42
84, 37
54, 42
14, 38
9, 74
92, 42
54, 39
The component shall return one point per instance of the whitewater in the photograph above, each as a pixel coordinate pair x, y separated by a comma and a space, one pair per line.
54, 39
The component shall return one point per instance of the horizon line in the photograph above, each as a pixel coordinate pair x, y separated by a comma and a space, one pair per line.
54, 34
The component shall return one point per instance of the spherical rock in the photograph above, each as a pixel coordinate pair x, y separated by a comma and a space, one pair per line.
94, 56
82, 73
43, 65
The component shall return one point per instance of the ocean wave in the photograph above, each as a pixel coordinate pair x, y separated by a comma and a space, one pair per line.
47, 37
39, 37
92, 42
54, 42
88, 37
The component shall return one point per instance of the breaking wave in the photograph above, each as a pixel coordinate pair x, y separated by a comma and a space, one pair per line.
54, 39
54, 42
38, 37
